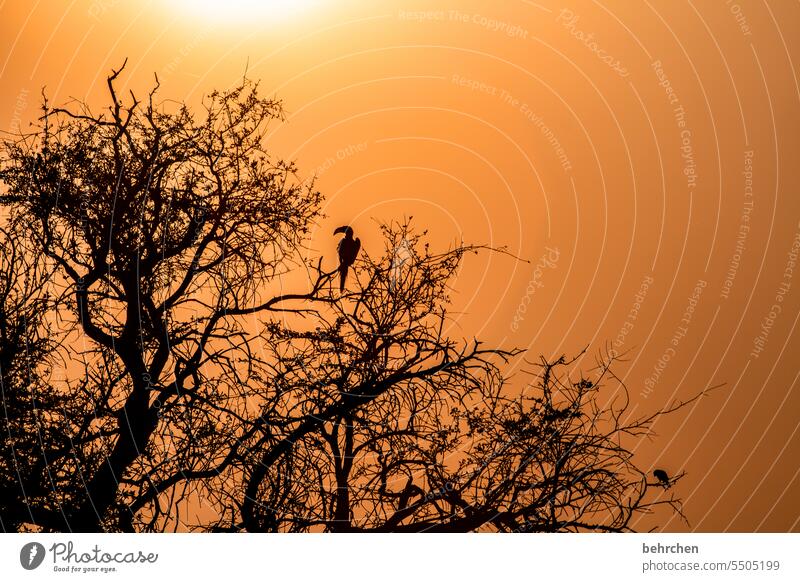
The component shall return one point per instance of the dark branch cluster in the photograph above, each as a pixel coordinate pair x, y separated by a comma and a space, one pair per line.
154, 365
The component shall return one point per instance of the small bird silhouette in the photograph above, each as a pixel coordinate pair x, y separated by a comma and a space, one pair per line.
662, 477
348, 251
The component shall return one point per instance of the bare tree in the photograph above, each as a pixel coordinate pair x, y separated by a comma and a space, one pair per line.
150, 248
165, 230
382, 422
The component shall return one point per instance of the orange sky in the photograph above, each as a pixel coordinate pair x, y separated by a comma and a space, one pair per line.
626, 149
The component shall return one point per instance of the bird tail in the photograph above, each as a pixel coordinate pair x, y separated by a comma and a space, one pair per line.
342, 277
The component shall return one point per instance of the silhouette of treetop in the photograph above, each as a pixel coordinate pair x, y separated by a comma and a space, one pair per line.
168, 341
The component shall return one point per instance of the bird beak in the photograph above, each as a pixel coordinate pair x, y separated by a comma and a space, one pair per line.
340, 230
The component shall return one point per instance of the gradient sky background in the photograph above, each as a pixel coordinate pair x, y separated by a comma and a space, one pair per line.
502, 123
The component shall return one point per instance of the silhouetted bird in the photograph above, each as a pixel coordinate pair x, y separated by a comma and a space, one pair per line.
348, 251
662, 477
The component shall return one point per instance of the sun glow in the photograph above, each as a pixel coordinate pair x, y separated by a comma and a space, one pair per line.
245, 11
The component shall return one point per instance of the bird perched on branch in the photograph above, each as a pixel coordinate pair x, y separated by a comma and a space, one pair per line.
663, 478
348, 251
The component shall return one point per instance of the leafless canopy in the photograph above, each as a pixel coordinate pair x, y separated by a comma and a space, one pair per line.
157, 375
378, 421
